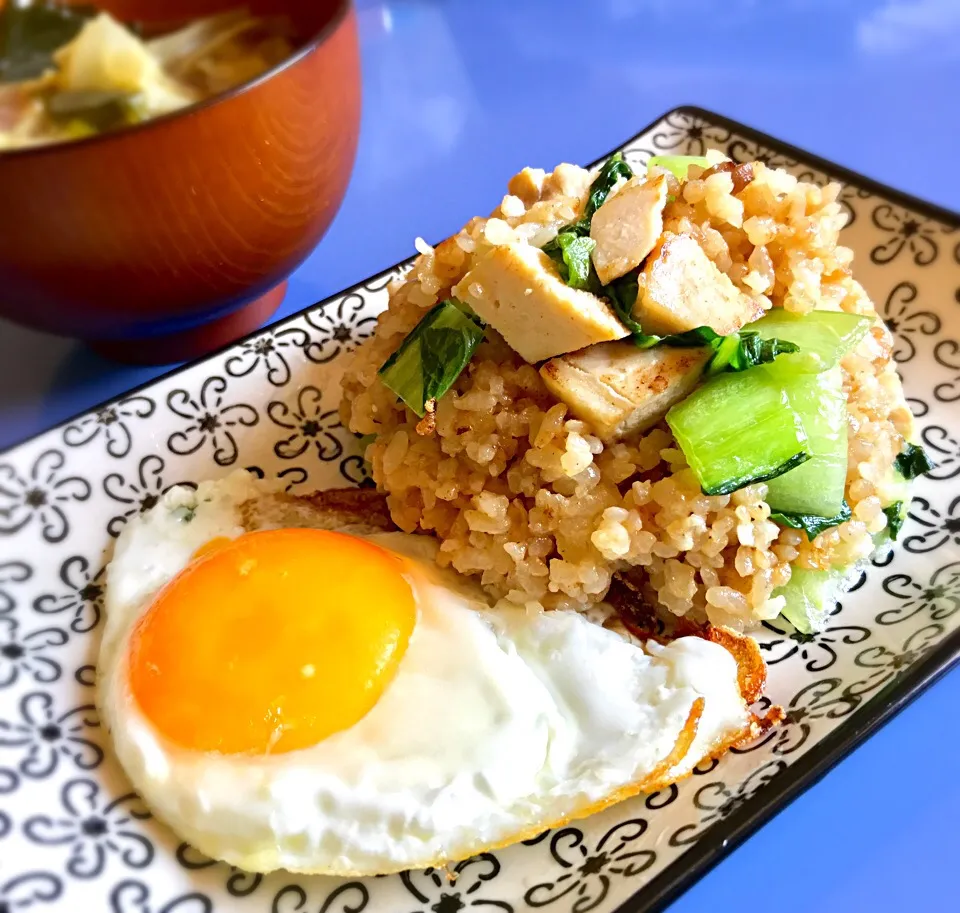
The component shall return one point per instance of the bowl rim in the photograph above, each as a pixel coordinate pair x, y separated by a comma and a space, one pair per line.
337, 15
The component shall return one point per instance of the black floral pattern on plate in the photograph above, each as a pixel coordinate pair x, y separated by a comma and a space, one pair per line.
311, 427
719, 800
131, 896
850, 197
11, 572
351, 897
818, 651
820, 700
28, 891
939, 526
464, 886
947, 353
238, 883
587, 871
26, 653
904, 322
211, 420
42, 736
83, 598
270, 351
680, 133
881, 664
937, 599
356, 470
8, 783
110, 422
42, 493
906, 231
944, 449
93, 826
741, 150
138, 494
341, 325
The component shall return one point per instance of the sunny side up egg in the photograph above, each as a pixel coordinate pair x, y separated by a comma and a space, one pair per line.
304, 699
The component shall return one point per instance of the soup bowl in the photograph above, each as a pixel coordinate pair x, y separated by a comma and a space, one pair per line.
168, 239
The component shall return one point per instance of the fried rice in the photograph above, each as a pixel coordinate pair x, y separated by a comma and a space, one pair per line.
526, 497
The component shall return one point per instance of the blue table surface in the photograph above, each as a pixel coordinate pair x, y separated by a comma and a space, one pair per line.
458, 95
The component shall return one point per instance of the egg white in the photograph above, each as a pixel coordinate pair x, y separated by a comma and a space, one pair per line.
496, 725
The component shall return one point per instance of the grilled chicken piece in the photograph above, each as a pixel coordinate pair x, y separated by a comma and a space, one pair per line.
627, 226
622, 390
682, 289
517, 290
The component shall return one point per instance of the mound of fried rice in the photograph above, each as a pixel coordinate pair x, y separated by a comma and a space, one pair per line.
528, 499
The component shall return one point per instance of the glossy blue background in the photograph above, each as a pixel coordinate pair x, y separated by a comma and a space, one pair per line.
459, 94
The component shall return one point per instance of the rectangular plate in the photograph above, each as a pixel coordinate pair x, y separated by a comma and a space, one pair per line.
72, 836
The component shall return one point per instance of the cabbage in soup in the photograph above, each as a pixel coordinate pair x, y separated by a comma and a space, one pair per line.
68, 73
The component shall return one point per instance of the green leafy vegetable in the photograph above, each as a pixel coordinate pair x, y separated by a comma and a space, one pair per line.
611, 171
571, 252
101, 111
432, 356
815, 489
736, 352
738, 429
678, 165
825, 335
896, 516
811, 596
30, 33
811, 525
912, 462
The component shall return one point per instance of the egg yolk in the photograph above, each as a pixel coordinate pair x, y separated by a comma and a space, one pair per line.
272, 641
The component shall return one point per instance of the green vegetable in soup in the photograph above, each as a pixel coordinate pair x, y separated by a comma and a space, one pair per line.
30, 33
432, 356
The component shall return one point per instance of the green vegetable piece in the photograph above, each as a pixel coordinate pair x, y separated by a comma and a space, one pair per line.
101, 111
678, 165
896, 515
30, 33
432, 356
816, 489
571, 252
736, 352
611, 171
811, 597
810, 524
912, 462
823, 337
738, 429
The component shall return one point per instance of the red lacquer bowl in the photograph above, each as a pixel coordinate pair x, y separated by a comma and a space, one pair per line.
174, 237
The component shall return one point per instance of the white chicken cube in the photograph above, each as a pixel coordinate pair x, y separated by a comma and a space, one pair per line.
517, 289
682, 289
622, 390
627, 226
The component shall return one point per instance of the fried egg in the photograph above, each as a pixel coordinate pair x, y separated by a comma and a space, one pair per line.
288, 696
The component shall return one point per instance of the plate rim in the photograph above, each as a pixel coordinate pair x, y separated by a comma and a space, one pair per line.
720, 840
